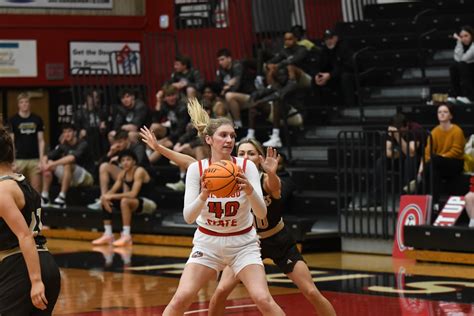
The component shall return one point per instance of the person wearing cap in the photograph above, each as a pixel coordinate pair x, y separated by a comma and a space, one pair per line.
337, 71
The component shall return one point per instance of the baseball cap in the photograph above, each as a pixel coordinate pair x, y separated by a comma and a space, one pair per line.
329, 33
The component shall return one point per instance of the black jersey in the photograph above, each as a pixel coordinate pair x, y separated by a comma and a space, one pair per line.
275, 209
31, 212
146, 189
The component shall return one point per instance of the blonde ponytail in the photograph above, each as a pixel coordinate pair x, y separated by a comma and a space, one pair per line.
199, 117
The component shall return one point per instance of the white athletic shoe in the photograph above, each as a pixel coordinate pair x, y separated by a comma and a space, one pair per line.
464, 100
96, 206
177, 186
274, 141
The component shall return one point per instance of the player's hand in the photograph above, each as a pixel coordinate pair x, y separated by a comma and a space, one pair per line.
38, 297
149, 138
270, 163
243, 183
106, 202
204, 191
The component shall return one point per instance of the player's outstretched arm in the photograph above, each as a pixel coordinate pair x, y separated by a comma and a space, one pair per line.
149, 138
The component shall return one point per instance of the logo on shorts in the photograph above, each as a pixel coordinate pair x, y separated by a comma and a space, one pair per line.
289, 261
197, 254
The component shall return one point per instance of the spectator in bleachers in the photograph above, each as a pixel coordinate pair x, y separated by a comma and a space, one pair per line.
185, 76
299, 31
71, 163
213, 104
91, 122
235, 84
169, 120
131, 114
109, 168
444, 152
27, 132
136, 197
462, 69
403, 150
290, 62
337, 72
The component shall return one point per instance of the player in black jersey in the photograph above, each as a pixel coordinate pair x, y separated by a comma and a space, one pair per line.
29, 276
275, 241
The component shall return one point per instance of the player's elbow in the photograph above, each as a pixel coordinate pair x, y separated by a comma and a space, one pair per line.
261, 214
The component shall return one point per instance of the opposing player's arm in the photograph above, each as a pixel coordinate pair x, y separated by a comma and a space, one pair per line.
10, 212
256, 196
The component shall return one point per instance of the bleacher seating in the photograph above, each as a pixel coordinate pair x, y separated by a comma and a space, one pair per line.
391, 79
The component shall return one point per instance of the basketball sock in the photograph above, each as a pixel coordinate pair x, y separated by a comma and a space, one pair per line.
62, 195
276, 132
126, 230
107, 229
45, 195
182, 175
471, 223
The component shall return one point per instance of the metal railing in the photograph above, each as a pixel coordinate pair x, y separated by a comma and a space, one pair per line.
372, 174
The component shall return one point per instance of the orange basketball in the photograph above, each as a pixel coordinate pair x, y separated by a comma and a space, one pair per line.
220, 178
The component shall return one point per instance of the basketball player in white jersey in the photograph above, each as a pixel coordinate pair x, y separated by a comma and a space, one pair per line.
225, 235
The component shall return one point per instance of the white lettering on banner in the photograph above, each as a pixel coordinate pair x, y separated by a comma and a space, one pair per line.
451, 211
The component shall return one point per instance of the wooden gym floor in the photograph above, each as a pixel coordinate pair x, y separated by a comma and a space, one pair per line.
141, 280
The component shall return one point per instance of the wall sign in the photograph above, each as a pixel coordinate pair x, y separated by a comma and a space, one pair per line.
201, 14
117, 58
18, 59
58, 4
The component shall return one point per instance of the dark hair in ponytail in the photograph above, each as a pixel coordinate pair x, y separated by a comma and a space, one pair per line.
7, 154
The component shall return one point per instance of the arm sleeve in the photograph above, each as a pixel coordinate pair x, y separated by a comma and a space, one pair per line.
276, 59
198, 80
256, 198
468, 56
141, 113
298, 57
237, 70
180, 128
56, 153
80, 151
118, 120
457, 148
458, 51
192, 203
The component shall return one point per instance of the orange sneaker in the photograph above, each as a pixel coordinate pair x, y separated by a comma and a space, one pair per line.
123, 241
103, 240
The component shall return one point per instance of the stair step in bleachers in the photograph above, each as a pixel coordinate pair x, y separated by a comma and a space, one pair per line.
394, 10
314, 178
315, 202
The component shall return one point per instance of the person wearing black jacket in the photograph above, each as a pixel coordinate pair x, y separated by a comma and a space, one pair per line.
235, 83
71, 162
169, 120
185, 76
336, 70
291, 60
131, 114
